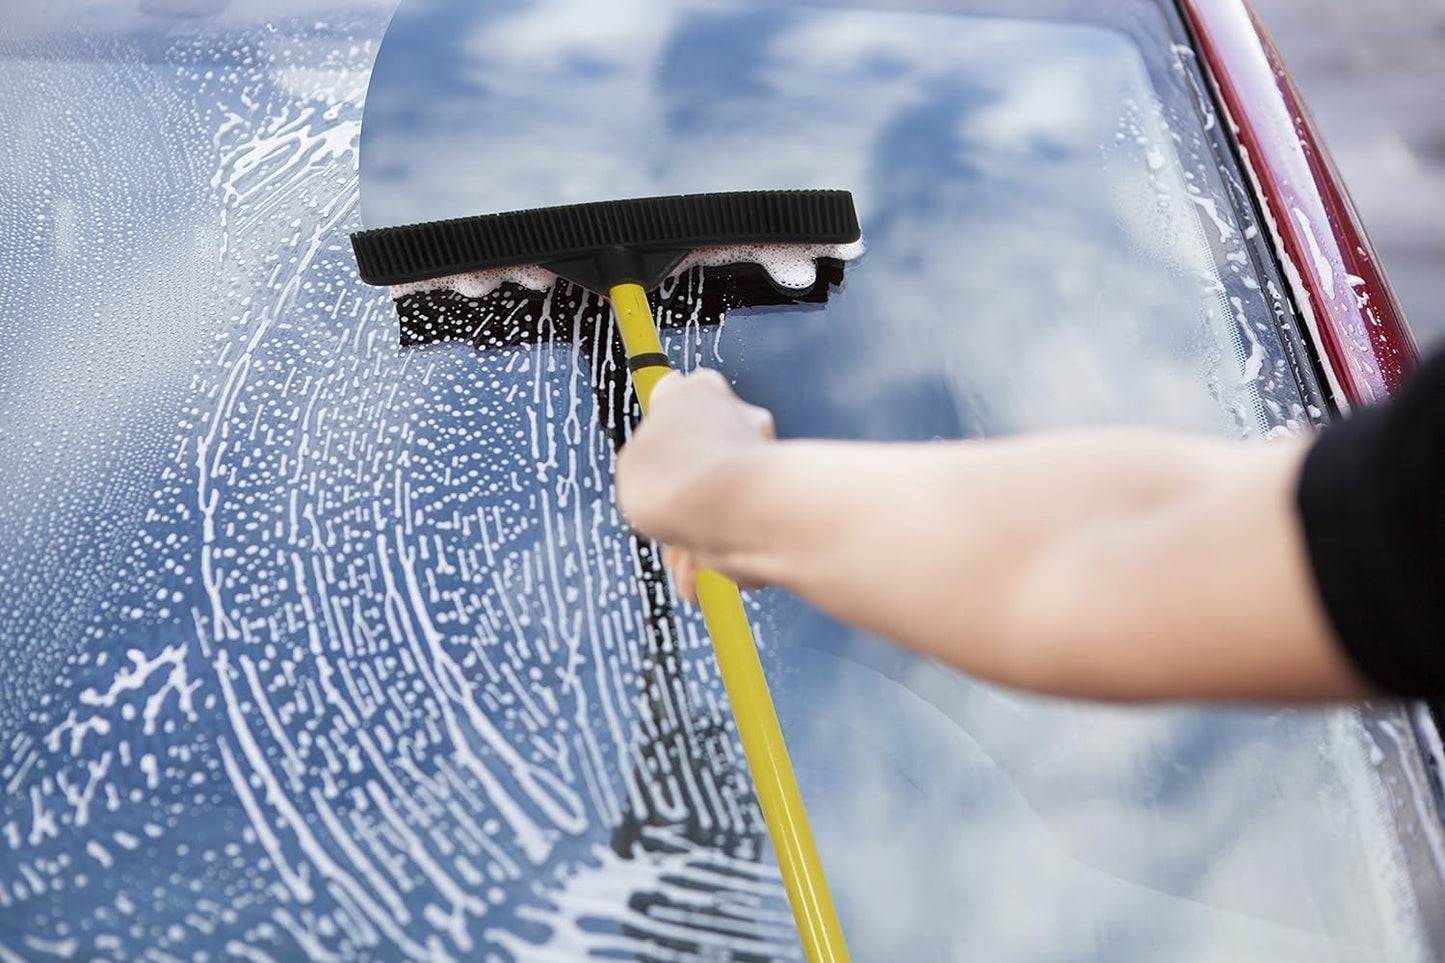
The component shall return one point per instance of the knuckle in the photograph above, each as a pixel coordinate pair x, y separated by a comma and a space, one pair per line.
666, 385
710, 378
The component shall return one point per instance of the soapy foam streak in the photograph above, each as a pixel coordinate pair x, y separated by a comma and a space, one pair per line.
792, 267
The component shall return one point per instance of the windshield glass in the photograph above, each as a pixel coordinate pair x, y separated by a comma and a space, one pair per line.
317, 645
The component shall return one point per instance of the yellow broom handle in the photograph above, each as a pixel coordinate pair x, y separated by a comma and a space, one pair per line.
747, 688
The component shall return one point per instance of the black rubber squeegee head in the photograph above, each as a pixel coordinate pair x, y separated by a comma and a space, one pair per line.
597, 245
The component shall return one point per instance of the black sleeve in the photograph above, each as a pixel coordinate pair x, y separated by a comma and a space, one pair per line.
1372, 501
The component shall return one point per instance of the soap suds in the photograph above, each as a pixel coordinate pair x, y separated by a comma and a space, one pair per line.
792, 267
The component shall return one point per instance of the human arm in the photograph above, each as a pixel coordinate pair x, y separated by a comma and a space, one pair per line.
1114, 564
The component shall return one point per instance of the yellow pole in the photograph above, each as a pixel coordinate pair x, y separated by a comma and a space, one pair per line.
747, 688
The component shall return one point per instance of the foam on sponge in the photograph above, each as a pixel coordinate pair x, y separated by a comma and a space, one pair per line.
793, 267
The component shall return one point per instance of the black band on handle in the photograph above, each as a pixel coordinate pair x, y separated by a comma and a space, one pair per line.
652, 359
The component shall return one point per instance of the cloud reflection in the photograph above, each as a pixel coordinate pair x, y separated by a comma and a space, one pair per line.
1039, 256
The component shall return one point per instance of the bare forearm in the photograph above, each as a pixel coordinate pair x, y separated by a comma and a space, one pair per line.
1102, 564
1119, 565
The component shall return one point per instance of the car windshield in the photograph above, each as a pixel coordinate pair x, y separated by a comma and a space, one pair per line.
318, 644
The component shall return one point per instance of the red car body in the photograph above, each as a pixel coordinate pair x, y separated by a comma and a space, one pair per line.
1340, 287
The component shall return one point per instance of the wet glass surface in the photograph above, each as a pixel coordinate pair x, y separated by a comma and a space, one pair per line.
315, 645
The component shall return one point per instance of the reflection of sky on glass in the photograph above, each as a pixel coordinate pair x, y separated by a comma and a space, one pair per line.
1038, 256
1018, 177
317, 647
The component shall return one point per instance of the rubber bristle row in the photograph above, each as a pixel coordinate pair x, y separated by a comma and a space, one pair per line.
421, 252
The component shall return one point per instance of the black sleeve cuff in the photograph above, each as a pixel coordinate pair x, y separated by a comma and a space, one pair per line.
1371, 499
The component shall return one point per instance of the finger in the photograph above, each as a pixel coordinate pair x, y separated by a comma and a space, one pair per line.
684, 575
679, 565
711, 387
710, 378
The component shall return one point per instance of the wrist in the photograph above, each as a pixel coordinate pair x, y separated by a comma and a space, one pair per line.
729, 506
760, 516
